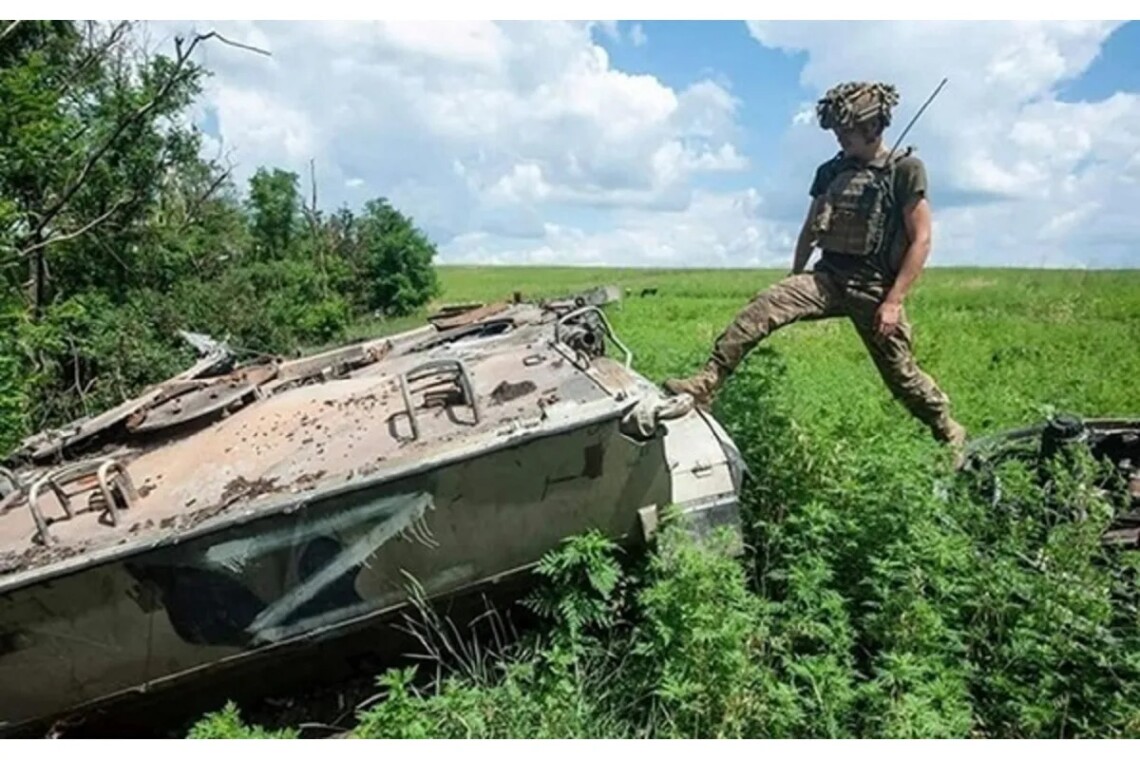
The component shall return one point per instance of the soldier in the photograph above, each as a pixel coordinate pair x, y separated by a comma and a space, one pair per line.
870, 217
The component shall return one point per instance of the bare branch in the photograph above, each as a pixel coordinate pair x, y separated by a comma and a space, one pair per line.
9, 29
97, 52
74, 233
113, 254
76, 384
237, 44
310, 211
182, 56
313, 182
313, 216
72, 139
192, 210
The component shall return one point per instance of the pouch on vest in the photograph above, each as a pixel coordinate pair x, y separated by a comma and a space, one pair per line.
853, 216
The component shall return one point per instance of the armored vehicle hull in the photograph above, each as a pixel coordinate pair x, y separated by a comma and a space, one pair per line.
1113, 443
237, 511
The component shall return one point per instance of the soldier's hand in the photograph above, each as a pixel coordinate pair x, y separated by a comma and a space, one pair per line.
887, 318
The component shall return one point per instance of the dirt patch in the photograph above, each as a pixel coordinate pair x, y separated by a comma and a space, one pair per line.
368, 469
508, 391
9, 561
239, 488
307, 481
38, 556
367, 402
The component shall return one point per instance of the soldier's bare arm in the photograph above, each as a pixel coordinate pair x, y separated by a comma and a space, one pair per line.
806, 241
918, 229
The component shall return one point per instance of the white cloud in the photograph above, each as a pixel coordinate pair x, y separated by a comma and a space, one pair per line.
716, 229
637, 36
1018, 176
488, 133
470, 126
611, 29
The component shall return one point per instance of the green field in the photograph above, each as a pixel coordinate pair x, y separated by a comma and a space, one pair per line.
878, 597
1003, 343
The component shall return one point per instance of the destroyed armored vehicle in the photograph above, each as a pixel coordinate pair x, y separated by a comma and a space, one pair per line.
1112, 444
240, 509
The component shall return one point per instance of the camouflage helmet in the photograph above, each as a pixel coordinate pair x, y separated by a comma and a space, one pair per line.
852, 103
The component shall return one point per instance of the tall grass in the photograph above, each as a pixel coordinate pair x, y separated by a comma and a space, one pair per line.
880, 594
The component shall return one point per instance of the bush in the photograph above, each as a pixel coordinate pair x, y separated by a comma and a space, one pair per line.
227, 724
397, 261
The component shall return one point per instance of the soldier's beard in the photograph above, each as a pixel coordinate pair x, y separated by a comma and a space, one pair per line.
861, 146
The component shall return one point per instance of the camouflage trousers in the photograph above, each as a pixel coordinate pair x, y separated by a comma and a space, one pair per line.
820, 295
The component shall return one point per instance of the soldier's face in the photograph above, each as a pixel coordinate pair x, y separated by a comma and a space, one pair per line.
853, 141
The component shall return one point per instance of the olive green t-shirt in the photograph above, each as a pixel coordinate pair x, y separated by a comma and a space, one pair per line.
881, 267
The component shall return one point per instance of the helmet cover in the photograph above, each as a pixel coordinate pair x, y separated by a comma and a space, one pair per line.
852, 104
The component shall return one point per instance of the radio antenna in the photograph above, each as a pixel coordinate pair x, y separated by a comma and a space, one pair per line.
933, 95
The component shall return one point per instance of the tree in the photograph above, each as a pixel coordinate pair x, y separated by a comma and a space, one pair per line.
92, 145
106, 204
116, 232
274, 206
396, 259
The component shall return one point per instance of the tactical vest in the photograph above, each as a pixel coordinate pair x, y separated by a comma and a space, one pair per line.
855, 215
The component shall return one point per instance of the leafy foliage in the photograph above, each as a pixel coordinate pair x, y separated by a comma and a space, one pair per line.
396, 260
274, 210
115, 231
228, 724
581, 585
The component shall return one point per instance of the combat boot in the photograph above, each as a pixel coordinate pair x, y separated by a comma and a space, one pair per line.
702, 386
951, 432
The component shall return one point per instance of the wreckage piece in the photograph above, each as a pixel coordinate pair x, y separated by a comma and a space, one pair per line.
1112, 442
463, 315
232, 515
55, 445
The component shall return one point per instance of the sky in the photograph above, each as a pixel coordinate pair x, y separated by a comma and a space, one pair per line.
667, 144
